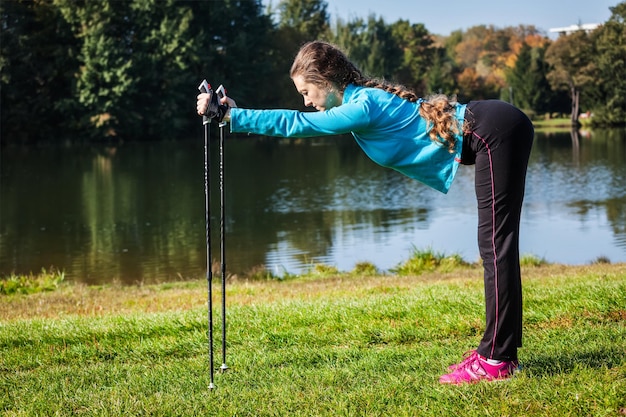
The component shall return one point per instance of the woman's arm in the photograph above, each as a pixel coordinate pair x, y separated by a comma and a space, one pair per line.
345, 118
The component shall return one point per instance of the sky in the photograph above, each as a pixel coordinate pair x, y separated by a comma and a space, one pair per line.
442, 17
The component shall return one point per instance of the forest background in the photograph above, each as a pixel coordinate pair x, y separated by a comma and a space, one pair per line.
129, 70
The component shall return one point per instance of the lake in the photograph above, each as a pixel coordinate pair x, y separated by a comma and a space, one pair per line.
135, 212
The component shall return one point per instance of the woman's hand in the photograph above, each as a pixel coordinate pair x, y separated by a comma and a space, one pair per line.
230, 103
203, 103
203, 100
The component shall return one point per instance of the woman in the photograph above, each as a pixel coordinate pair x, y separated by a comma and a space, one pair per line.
425, 140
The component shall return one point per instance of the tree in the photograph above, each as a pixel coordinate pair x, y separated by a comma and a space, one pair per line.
233, 46
417, 54
132, 56
489, 52
441, 75
37, 61
298, 22
527, 80
518, 78
370, 45
142, 59
608, 95
309, 18
571, 59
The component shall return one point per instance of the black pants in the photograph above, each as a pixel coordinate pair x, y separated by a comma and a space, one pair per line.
499, 145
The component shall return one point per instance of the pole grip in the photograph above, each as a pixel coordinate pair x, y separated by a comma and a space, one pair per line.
205, 87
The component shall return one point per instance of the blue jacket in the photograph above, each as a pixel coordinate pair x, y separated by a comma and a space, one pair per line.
389, 129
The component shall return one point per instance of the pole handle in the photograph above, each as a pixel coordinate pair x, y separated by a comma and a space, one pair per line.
205, 87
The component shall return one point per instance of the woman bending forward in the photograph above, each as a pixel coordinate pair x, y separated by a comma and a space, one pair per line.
424, 139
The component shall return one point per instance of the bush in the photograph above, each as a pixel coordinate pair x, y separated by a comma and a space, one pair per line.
532, 260
365, 268
30, 284
427, 261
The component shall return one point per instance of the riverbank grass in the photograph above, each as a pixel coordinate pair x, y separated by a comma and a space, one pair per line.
331, 345
46, 280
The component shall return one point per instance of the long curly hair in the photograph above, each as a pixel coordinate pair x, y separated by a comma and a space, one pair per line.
326, 66
439, 111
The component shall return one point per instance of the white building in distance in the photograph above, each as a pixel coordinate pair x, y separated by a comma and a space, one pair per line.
587, 27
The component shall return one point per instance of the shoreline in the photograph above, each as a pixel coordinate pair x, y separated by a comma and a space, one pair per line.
77, 299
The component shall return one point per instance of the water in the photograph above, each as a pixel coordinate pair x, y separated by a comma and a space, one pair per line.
135, 212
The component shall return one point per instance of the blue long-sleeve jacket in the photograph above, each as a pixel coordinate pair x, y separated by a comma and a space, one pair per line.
389, 129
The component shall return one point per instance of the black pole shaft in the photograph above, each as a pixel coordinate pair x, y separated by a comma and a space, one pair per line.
209, 272
223, 244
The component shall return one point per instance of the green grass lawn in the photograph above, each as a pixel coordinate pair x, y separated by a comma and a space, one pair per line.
327, 345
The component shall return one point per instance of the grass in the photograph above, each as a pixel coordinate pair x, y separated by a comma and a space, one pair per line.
328, 344
32, 283
557, 122
422, 261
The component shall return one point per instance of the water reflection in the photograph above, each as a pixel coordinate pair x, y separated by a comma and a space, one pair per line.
136, 212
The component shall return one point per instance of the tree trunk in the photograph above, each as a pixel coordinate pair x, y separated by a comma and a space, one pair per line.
575, 106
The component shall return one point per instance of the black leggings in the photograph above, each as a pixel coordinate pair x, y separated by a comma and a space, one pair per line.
499, 145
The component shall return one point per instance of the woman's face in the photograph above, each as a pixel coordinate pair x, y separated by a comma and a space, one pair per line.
314, 96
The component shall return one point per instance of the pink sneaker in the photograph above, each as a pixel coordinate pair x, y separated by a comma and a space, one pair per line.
475, 368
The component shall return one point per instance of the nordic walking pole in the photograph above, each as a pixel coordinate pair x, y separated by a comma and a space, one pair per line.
224, 367
206, 88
